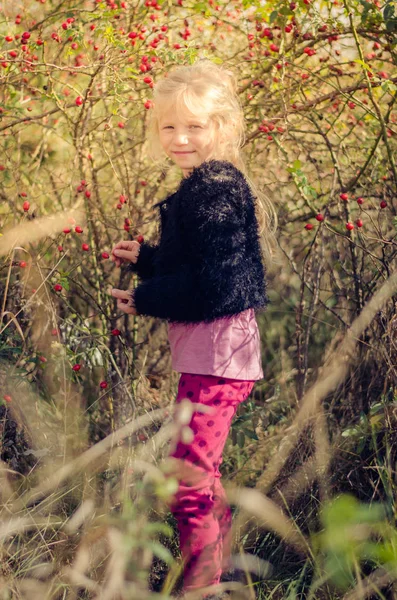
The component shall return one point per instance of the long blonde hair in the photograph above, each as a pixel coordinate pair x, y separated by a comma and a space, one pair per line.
206, 88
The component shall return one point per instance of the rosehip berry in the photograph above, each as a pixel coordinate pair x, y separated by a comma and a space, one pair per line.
383, 204
122, 199
87, 194
58, 287
140, 239
7, 398
42, 359
105, 255
121, 125
359, 223
360, 200
85, 247
76, 367
54, 331
78, 229
308, 226
60, 248
343, 196
349, 226
22, 264
79, 101
320, 217
103, 385
67, 230
115, 332
26, 206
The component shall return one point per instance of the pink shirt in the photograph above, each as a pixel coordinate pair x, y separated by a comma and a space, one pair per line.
227, 347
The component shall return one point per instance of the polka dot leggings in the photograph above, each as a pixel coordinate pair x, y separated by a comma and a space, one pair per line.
200, 505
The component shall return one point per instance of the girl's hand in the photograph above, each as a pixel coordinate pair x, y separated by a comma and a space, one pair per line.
125, 251
125, 300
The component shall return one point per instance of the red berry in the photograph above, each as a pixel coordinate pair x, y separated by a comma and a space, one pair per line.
105, 255
26, 35
60, 248
349, 226
76, 367
9, 38
343, 196
42, 359
79, 101
26, 206
7, 398
85, 247
360, 200
54, 331
140, 239
22, 264
359, 223
78, 229
320, 217
383, 204
58, 287
67, 230
103, 385
115, 332
308, 226
87, 194
121, 125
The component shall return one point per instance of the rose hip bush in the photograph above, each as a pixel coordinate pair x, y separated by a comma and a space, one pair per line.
318, 86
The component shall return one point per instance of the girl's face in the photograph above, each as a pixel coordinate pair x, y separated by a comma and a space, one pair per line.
187, 139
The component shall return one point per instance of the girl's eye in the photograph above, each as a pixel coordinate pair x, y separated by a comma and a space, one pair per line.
170, 126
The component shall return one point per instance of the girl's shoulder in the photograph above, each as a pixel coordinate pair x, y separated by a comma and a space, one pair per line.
213, 173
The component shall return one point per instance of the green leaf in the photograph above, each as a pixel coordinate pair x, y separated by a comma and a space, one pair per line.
388, 12
240, 439
296, 164
250, 433
362, 63
161, 552
273, 16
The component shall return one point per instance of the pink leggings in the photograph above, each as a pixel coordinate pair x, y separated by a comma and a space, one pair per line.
200, 505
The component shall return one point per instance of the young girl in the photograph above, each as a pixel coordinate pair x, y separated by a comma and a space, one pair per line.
206, 278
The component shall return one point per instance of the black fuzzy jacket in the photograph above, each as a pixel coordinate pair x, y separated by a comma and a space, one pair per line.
208, 262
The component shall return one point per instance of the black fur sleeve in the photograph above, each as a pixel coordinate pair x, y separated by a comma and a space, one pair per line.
144, 265
212, 224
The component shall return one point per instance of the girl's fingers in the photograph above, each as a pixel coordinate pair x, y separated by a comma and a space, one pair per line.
127, 254
120, 294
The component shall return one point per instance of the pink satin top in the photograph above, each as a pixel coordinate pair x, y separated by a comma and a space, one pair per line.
227, 347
